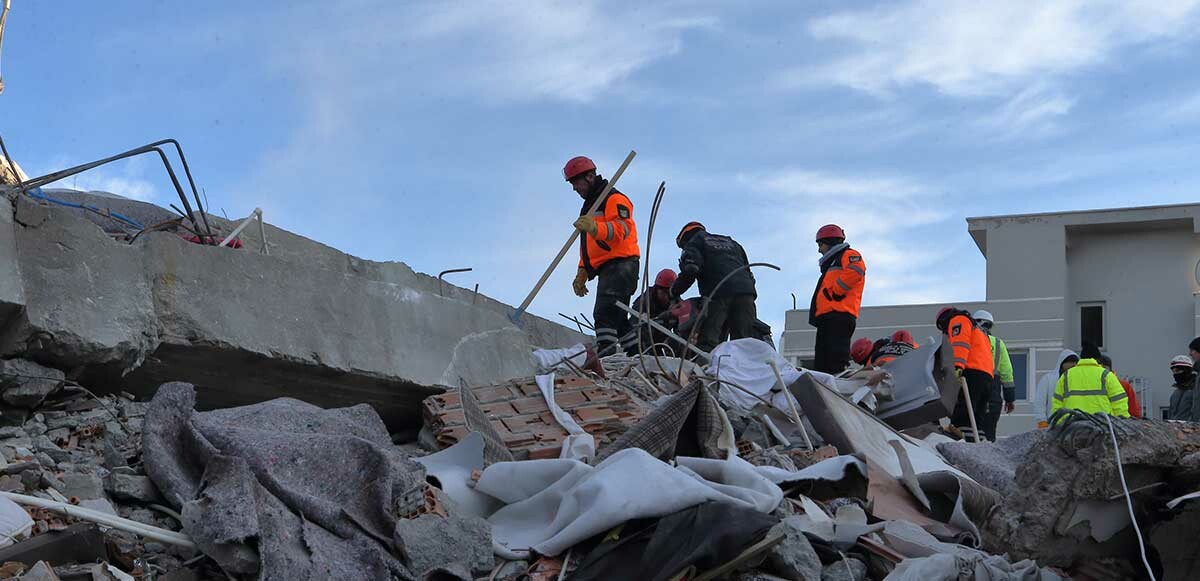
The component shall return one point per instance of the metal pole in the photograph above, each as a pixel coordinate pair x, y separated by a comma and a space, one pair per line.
612, 182
441, 282
665, 330
787, 394
970, 408
255, 214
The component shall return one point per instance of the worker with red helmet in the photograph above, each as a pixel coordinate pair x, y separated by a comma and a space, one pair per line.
973, 358
608, 250
655, 302
836, 300
720, 265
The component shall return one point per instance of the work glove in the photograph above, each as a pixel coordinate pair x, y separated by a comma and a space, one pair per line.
587, 225
580, 284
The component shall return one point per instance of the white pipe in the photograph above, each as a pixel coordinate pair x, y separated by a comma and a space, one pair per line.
255, 214
116, 522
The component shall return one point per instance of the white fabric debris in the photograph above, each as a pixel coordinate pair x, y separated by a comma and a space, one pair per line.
554, 504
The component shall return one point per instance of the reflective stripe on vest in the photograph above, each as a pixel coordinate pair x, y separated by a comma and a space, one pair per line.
1102, 391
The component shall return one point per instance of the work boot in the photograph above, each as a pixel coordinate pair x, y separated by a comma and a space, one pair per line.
592, 362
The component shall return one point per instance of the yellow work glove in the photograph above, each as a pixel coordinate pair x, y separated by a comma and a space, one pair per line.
580, 284
587, 225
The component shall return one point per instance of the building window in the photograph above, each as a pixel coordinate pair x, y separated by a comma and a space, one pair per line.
1091, 324
1020, 367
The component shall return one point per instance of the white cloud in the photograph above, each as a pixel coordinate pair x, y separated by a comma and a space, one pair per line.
794, 182
490, 50
971, 48
127, 178
1032, 111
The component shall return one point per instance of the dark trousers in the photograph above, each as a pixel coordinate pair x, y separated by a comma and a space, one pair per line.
980, 384
832, 349
617, 282
729, 315
995, 408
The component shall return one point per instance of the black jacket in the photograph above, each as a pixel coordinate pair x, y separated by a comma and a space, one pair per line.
708, 258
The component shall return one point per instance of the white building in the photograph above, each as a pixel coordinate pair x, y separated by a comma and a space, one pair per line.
1125, 278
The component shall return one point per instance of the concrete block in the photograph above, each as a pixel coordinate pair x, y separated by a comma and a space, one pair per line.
26, 384
83, 486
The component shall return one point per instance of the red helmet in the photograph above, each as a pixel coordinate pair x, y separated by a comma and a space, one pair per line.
687, 228
830, 231
666, 277
861, 350
577, 166
903, 336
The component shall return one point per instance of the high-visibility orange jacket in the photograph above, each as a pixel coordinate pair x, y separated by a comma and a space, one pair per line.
972, 349
840, 288
616, 233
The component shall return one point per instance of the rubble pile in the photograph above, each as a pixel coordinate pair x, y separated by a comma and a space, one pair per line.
59, 443
420, 436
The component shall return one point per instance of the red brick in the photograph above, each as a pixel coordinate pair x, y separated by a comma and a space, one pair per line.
514, 424
529, 389
455, 416
530, 405
499, 409
600, 395
492, 394
546, 453
594, 414
570, 399
450, 399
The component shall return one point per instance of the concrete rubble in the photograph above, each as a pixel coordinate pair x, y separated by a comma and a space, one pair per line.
208, 412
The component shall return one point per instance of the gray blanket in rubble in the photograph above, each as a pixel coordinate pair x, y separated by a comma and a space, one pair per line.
282, 489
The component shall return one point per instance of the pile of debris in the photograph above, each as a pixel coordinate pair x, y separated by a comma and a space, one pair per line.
73, 462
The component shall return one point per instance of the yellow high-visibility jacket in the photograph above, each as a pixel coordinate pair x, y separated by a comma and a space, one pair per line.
1089, 387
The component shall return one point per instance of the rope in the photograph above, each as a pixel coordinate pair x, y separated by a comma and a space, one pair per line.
1129, 498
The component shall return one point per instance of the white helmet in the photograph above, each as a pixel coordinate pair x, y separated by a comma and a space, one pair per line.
1181, 361
982, 315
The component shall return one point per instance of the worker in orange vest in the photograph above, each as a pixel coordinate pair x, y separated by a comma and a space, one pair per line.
1135, 407
608, 249
836, 300
973, 358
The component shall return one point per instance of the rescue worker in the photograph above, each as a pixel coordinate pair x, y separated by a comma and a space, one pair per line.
836, 300
860, 351
898, 345
1194, 353
972, 357
1135, 408
608, 249
709, 258
655, 303
1044, 392
1003, 392
1088, 387
903, 336
1181, 399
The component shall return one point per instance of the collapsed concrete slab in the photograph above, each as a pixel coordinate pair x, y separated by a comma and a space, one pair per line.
306, 321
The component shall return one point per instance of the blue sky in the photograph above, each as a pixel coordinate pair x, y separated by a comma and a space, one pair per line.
434, 133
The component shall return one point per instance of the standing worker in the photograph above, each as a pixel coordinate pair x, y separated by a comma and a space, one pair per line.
836, 300
709, 258
1089, 387
1003, 392
1181, 399
608, 248
972, 357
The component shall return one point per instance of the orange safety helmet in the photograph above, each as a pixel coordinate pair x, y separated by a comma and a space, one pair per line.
577, 166
687, 228
830, 231
666, 277
861, 350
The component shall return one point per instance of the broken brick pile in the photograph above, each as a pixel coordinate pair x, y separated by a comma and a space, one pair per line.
518, 412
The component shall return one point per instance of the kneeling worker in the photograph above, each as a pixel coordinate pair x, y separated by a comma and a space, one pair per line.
709, 258
608, 249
